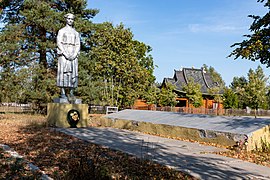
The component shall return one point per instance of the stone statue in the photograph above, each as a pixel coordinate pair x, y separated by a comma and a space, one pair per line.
68, 48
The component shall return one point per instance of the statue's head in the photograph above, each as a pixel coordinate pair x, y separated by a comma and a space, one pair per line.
69, 19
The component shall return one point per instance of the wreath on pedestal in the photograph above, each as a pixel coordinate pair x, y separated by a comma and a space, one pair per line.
73, 117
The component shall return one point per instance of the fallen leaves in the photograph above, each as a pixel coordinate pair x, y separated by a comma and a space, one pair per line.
262, 158
15, 168
62, 156
65, 157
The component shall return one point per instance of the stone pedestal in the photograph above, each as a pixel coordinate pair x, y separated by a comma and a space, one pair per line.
67, 100
57, 114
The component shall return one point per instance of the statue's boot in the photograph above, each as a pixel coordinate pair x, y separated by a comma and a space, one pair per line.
63, 94
71, 92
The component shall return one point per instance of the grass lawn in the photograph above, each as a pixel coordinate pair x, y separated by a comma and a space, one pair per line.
64, 157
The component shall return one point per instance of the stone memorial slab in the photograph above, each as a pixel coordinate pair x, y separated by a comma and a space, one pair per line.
254, 131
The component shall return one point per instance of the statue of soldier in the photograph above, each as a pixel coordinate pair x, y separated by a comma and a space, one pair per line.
68, 48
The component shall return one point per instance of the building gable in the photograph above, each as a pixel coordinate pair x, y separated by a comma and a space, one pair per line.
183, 76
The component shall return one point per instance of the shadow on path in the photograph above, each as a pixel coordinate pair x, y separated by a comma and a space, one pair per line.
183, 156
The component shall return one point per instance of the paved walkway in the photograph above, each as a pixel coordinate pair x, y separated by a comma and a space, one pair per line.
192, 158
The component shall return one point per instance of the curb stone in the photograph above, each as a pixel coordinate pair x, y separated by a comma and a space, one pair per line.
31, 166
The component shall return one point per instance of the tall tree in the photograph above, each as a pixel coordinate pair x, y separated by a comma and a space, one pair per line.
230, 99
257, 44
152, 94
29, 35
122, 63
238, 87
256, 89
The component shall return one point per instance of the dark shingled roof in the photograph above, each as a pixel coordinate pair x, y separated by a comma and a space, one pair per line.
181, 78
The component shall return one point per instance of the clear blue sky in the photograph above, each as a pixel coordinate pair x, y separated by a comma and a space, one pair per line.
186, 33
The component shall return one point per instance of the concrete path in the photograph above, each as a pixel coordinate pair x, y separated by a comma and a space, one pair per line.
192, 158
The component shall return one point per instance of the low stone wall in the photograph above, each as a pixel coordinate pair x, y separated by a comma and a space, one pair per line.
260, 139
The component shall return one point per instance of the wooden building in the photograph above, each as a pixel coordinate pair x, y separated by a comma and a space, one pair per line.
182, 77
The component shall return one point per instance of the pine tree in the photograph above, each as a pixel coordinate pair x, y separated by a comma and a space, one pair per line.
256, 89
28, 38
238, 87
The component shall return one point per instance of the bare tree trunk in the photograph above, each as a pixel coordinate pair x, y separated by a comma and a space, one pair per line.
255, 112
112, 89
43, 51
117, 95
106, 91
